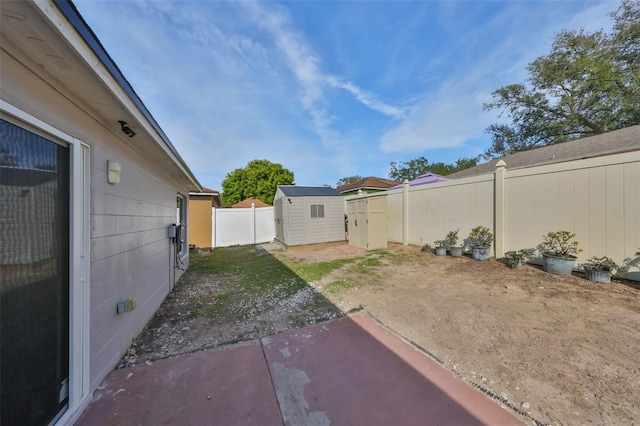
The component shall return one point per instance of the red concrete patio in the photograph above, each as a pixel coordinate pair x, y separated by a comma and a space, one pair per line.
350, 371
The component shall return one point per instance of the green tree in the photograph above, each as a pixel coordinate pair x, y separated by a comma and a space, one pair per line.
408, 169
412, 169
588, 84
348, 180
259, 179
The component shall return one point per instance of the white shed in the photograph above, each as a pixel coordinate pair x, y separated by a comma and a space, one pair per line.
308, 215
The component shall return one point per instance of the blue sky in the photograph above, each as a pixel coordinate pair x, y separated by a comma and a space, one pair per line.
328, 89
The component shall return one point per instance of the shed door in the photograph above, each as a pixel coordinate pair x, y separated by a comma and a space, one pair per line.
358, 223
377, 223
279, 220
363, 224
34, 262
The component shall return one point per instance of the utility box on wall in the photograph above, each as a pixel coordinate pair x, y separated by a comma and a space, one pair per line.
367, 222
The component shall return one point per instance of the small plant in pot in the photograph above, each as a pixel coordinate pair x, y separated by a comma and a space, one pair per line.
480, 239
559, 252
517, 258
632, 262
451, 241
600, 269
441, 247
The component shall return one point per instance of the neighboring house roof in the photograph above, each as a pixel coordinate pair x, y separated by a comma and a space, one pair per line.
424, 179
614, 142
244, 204
308, 191
370, 182
215, 195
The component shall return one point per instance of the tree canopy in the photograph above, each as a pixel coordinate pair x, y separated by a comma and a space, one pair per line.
588, 84
347, 180
413, 168
259, 179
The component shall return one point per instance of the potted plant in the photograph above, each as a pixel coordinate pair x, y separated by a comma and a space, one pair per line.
632, 262
480, 239
451, 241
441, 247
600, 269
515, 259
559, 252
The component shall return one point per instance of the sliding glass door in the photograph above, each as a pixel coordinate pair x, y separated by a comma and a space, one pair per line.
35, 271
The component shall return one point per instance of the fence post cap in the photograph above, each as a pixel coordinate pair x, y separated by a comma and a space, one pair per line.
405, 182
501, 163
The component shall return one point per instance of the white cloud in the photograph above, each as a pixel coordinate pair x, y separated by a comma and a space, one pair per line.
368, 99
305, 64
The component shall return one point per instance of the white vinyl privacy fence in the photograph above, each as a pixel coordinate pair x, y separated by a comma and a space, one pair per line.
232, 227
597, 198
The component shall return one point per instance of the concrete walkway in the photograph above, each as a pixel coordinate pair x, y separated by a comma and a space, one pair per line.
350, 371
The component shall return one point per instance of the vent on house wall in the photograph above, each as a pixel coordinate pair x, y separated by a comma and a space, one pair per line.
22, 25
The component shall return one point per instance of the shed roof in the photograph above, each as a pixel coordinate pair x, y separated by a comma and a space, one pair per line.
308, 191
370, 182
614, 142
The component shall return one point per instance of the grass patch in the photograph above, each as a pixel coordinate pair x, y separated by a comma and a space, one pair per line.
262, 280
315, 271
343, 284
257, 271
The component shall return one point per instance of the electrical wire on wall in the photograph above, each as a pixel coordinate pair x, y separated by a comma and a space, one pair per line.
178, 243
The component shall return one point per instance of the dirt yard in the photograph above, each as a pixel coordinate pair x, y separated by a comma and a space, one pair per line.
560, 350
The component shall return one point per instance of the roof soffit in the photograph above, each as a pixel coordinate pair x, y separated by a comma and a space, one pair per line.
42, 32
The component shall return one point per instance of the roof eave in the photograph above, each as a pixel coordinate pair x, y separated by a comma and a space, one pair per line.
71, 14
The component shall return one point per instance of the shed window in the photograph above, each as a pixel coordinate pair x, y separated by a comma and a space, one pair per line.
317, 210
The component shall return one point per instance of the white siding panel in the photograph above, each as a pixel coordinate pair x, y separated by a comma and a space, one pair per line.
131, 254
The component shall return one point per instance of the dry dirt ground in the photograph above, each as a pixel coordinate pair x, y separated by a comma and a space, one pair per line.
560, 350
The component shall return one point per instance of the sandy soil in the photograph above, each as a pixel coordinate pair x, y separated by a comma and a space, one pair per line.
560, 350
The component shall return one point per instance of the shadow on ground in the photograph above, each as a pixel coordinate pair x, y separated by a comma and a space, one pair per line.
295, 363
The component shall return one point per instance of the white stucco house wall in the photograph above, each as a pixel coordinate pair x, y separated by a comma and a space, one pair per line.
88, 209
